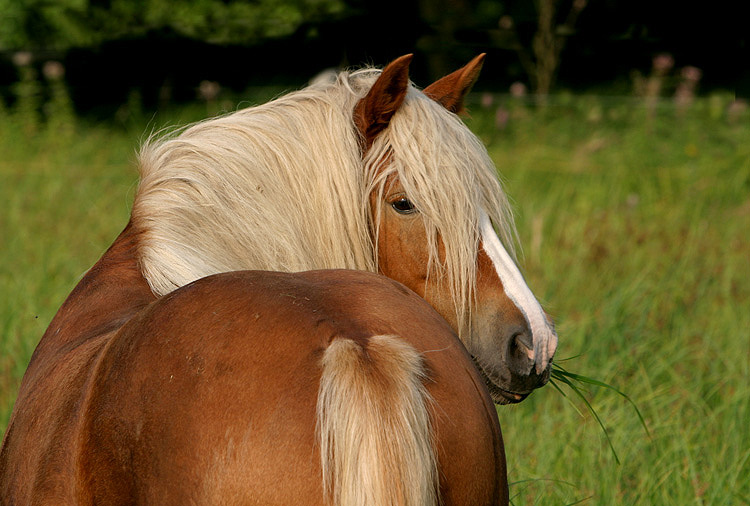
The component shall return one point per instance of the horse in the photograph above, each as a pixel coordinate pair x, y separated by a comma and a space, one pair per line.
362, 172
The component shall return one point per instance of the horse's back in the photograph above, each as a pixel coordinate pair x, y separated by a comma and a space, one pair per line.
209, 395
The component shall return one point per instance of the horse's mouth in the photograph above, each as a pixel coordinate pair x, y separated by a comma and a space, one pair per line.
499, 395
502, 396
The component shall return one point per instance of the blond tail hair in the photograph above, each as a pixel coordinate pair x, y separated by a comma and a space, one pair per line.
374, 427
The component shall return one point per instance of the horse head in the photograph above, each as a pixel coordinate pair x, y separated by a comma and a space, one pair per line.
501, 323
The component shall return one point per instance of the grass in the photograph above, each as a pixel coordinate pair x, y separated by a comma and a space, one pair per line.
636, 230
635, 226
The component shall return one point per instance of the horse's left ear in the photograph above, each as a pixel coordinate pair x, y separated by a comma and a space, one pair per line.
451, 90
373, 113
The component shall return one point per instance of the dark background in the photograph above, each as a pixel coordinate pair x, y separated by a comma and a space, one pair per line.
609, 41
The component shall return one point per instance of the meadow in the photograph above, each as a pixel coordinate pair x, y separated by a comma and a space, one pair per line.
634, 231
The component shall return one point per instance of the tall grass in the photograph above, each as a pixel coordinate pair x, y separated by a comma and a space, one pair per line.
62, 200
635, 227
636, 230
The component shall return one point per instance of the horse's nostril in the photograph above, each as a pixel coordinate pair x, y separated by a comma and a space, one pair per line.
544, 377
524, 343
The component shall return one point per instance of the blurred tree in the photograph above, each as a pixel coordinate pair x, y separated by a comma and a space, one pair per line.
60, 24
539, 53
444, 20
536, 31
549, 41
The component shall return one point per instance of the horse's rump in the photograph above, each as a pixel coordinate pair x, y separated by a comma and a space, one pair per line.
210, 394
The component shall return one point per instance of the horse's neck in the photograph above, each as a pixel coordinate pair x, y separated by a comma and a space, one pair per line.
110, 293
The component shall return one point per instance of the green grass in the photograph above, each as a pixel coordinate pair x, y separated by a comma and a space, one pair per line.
635, 229
62, 204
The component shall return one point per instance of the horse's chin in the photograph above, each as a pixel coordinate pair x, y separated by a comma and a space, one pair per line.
498, 394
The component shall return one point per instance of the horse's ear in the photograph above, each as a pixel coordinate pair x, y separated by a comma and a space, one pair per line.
451, 90
373, 113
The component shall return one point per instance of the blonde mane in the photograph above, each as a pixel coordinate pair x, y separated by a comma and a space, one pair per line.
283, 187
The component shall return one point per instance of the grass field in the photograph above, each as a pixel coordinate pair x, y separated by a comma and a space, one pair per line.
635, 227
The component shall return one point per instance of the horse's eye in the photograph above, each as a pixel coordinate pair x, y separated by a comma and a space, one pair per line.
403, 205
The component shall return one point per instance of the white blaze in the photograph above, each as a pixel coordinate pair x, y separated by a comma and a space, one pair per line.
543, 337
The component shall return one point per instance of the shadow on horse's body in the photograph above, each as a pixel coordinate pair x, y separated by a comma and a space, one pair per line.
171, 374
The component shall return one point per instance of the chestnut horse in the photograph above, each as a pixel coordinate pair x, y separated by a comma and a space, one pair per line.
152, 387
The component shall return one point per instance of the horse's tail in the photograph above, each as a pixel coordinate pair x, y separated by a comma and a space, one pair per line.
374, 426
